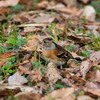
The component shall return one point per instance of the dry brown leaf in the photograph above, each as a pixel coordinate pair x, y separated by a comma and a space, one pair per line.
3, 61
92, 85
63, 43
94, 76
25, 69
37, 75
61, 94
93, 91
61, 8
26, 57
52, 73
84, 68
23, 18
4, 10
6, 3
5, 57
73, 79
17, 79
43, 4
73, 64
70, 2
84, 97
28, 96
78, 79
89, 13
77, 56
95, 58
32, 43
7, 92
44, 19
27, 2
23, 88
77, 38
31, 29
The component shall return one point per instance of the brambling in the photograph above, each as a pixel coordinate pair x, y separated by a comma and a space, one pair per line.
51, 51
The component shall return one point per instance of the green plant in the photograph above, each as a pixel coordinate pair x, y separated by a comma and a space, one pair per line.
3, 35
59, 86
14, 41
95, 42
83, 20
12, 98
97, 68
51, 98
19, 7
3, 49
7, 67
71, 47
53, 13
43, 72
80, 93
36, 2
86, 54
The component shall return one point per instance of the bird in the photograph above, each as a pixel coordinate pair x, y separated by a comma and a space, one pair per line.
53, 52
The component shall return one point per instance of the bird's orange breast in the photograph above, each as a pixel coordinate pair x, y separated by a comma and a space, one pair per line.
50, 54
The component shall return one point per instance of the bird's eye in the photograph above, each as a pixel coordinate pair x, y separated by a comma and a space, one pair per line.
45, 42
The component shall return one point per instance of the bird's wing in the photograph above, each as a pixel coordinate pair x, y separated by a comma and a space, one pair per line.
62, 53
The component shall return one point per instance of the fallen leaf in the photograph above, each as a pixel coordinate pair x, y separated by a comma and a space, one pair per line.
23, 88
61, 94
89, 13
3, 61
92, 85
94, 76
26, 2
4, 11
28, 96
93, 91
84, 68
36, 75
7, 92
61, 8
6, 3
33, 43
78, 79
25, 68
44, 19
17, 79
78, 38
26, 57
85, 1
7, 55
77, 56
73, 64
70, 3
31, 29
84, 97
52, 73
4, 57
43, 4
23, 18
95, 58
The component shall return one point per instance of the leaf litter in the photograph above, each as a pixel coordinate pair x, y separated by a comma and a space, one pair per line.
24, 73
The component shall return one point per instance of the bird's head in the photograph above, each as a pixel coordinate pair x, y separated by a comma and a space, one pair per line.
48, 43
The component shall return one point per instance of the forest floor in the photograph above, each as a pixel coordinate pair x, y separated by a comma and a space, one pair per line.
74, 25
